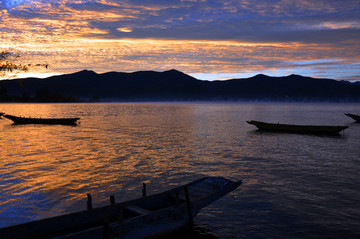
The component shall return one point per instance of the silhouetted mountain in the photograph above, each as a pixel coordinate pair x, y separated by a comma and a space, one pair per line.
174, 85
351, 83
292, 87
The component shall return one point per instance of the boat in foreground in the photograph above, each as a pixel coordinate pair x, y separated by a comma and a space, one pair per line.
29, 120
146, 217
304, 129
354, 117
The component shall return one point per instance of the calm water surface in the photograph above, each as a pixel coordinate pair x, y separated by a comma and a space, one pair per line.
294, 186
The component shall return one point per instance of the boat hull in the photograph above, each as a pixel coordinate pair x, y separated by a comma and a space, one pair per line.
354, 117
304, 129
146, 217
24, 120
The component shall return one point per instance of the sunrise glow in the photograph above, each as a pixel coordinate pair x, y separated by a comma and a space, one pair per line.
216, 39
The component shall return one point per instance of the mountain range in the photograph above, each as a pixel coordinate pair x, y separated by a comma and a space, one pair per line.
174, 85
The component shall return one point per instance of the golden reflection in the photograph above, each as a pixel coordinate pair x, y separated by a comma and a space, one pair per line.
65, 161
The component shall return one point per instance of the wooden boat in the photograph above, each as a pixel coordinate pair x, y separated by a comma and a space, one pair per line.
354, 117
146, 217
26, 120
304, 129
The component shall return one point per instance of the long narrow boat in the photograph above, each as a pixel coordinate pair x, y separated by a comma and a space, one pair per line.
146, 217
353, 116
304, 129
29, 120
1, 113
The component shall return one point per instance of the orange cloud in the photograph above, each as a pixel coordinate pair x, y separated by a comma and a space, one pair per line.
188, 56
124, 29
192, 36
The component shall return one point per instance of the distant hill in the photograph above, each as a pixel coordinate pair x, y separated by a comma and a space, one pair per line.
174, 85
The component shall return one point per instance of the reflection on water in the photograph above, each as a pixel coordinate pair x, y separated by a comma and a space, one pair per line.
294, 185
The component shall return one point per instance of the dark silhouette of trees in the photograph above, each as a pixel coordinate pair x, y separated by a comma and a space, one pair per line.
9, 66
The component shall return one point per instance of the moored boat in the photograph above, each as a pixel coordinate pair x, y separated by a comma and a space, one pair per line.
291, 128
353, 116
29, 120
146, 217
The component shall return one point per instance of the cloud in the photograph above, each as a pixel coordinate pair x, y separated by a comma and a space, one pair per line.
258, 21
192, 35
332, 25
124, 29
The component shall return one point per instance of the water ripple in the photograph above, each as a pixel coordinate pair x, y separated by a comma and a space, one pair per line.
293, 185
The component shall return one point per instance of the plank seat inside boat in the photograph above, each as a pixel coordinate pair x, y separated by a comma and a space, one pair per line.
138, 210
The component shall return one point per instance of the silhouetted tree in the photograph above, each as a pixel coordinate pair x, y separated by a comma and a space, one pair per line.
9, 67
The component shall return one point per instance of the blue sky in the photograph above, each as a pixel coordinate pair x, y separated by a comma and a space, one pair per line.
209, 39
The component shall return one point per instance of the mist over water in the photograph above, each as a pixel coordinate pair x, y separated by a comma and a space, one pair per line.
293, 185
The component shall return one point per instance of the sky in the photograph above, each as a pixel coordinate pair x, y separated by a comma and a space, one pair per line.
208, 39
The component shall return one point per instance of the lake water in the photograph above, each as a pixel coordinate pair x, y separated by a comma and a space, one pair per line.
294, 186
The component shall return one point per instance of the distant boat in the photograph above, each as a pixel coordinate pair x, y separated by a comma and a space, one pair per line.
146, 217
354, 117
305, 129
1, 113
28, 120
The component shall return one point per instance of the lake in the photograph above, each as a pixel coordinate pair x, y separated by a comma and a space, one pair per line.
294, 186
